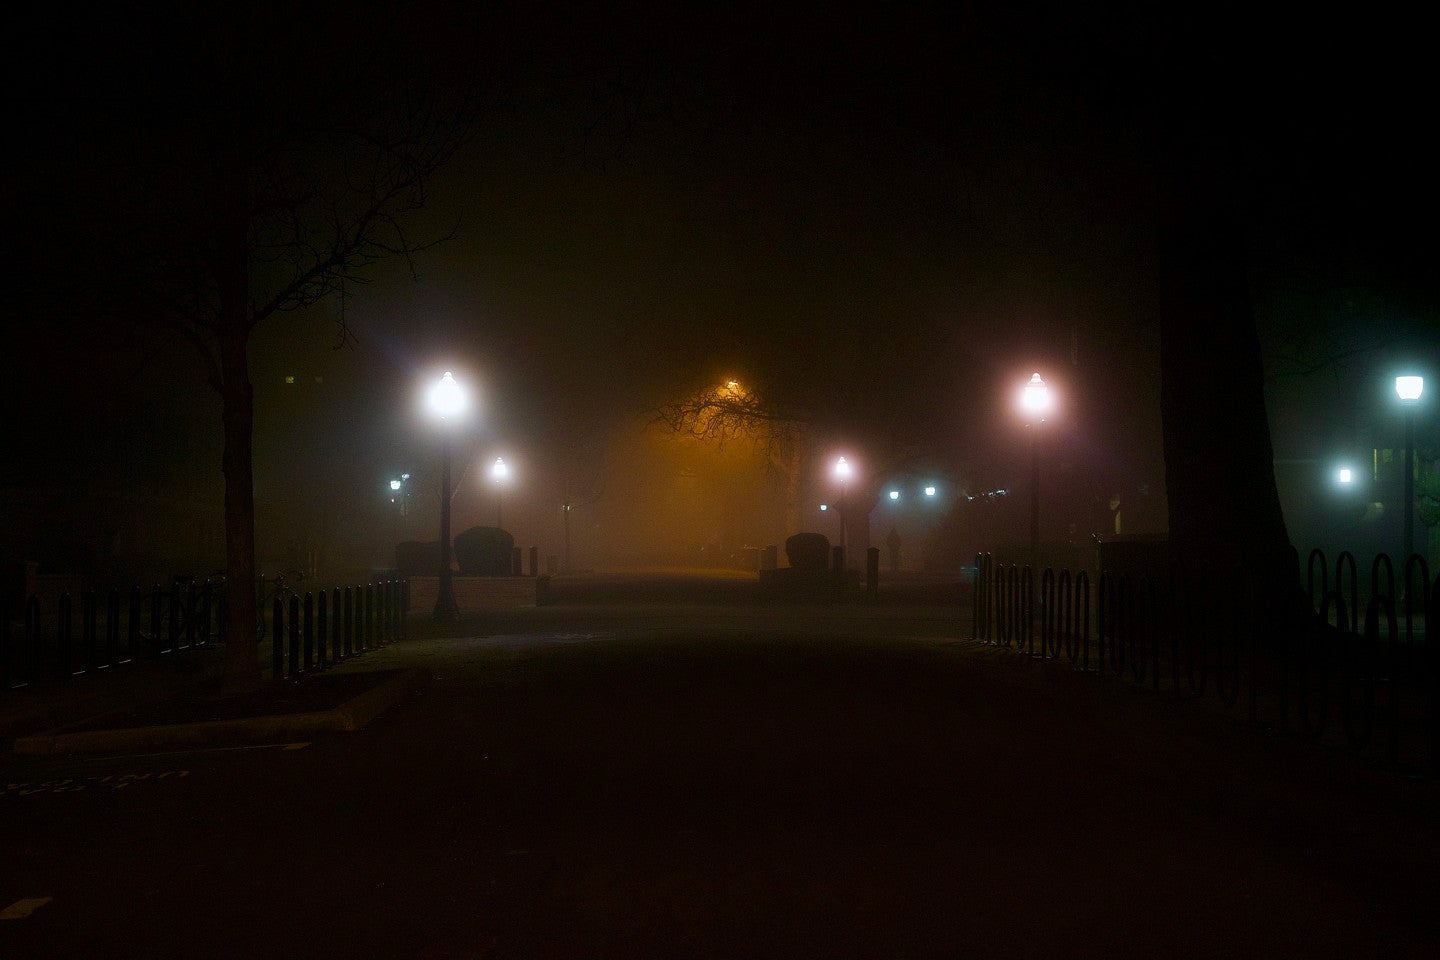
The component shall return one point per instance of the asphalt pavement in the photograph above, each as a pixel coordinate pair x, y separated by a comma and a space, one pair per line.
702, 779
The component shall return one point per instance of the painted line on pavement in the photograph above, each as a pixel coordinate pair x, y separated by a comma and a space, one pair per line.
21, 909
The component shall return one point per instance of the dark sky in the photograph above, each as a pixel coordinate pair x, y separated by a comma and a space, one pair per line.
902, 204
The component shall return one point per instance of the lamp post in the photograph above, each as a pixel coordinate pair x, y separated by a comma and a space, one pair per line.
499, 472
565, 508
1035, 401
447, 401
1409, 388
399, 494
842, 473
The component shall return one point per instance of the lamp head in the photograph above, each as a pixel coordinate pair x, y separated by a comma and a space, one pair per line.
1035, 400
447, 398
1409, 388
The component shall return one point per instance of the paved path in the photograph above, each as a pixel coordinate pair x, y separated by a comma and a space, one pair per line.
724, 783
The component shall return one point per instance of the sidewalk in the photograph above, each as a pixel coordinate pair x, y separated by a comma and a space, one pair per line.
690, 780
172, 702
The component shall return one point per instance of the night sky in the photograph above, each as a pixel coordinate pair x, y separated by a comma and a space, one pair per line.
894, 214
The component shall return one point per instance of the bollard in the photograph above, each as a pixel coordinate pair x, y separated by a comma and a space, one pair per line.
404, 607
112, 628
294, 635
277, 639
372, 639
62, 638
368, 593
322, 623
87, 631
32, 639
7, 651
309, 631
349, 609
132, 626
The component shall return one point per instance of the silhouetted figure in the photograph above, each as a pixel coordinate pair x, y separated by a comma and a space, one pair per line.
893, 542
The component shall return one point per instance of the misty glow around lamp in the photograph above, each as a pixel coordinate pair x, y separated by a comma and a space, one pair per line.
447, 401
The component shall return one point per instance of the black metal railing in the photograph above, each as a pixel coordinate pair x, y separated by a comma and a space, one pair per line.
320, 630
40, 645
1359, 666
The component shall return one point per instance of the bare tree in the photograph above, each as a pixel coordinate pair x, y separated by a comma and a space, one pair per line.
273, 164
732, 412
790, 433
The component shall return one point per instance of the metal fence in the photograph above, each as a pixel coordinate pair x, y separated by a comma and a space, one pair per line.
319, 630
304, 633
1206, 631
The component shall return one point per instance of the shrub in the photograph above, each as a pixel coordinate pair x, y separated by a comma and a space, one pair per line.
808, 551
484, 552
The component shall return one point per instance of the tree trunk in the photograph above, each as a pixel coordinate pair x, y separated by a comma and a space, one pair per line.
1219, 463
234, 323
242, 661
1224, 507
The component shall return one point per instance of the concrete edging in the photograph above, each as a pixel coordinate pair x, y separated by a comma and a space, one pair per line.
354, 714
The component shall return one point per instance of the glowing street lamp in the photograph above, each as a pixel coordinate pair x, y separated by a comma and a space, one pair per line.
447, 401
1035, 402
842, 473
398, 493
500, 473
1409, 388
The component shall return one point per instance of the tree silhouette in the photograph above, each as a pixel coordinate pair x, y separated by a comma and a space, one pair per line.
240, 169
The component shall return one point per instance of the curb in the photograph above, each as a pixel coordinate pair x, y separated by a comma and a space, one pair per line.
350, 716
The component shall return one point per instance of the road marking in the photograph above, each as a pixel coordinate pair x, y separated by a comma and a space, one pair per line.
21, 909
76, 784
193, 751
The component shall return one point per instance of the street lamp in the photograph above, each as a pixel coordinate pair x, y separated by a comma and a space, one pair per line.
842, 473
398, 493
1035, 402
499, 472
1409, 388
447, 401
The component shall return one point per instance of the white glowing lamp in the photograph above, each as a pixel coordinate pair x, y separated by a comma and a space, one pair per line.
1409, 388
447, 398
1036, 398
